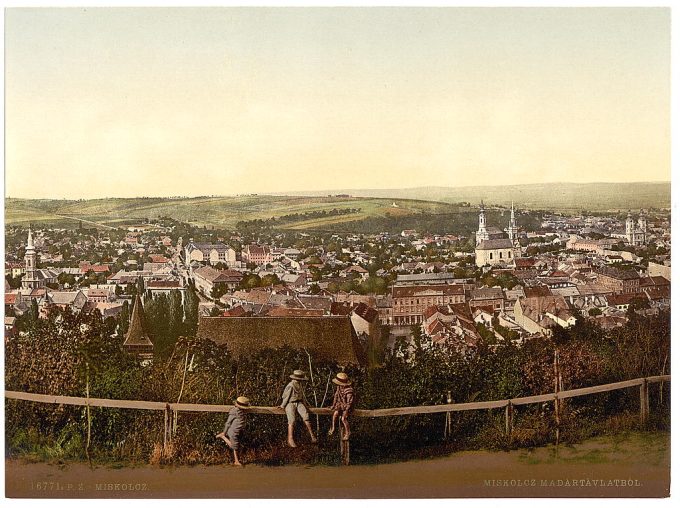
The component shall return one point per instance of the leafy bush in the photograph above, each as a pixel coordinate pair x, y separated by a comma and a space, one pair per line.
62, 354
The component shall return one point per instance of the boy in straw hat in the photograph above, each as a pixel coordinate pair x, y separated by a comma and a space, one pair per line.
293, 401
343, 402
233, 426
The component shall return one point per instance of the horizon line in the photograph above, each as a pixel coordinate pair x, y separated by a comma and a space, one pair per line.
324, 191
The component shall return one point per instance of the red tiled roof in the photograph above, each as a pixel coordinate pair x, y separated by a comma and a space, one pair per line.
364, 311
163, 284
624, 298
238, 311
341, 309
537, 291
524, 262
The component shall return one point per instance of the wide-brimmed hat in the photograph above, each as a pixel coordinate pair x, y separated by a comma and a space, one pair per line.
342, 379
298, 375
242, 402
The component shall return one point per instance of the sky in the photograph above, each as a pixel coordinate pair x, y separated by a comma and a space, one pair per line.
132, 102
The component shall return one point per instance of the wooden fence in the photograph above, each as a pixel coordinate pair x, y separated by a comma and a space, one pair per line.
507, 404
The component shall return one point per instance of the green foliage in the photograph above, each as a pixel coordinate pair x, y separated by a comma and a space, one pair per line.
14, 282
59, 355
190, 311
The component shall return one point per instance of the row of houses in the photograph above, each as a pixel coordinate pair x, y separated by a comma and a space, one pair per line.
101, 299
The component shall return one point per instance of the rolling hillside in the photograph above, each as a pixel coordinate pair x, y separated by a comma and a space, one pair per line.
373, 210
216, 211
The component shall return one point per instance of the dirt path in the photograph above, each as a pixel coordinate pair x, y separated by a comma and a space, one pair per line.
636, 465
84, 220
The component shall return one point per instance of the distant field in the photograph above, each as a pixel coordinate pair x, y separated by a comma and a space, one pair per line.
568, 197
216, 211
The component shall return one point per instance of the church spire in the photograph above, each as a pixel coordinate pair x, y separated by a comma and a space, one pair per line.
482, 233
29, 243
137, 339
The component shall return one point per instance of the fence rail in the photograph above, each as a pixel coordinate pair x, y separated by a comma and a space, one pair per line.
367, 413
507, 404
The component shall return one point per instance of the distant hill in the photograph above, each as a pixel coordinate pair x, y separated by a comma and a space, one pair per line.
554, 196
435, 209
300, 212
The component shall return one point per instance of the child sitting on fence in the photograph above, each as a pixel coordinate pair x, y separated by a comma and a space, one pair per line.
234, 425
343, 402
294, 403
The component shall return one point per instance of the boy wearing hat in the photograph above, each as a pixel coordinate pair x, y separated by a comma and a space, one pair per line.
343, 401
233, 426
293, 401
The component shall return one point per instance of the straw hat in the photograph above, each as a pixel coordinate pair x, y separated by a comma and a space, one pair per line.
298, 375
342, 379
242, 402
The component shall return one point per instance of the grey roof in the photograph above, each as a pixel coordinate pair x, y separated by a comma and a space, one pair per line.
500, 243
417, 277
618, 274
64, 297
487, 294
566, 291
207, 247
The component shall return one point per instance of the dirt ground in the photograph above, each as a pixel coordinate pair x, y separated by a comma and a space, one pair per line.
634, 465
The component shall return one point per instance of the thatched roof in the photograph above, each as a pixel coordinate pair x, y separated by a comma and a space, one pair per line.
137, 334
329, 337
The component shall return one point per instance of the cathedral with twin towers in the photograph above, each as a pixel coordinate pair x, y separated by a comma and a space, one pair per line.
495, 247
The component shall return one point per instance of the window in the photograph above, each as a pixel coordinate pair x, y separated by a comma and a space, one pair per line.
490, 255
500, 254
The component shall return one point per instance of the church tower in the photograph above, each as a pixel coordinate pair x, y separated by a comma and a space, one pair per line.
513, 234
642, 222
30, 280
630, 229
482, 233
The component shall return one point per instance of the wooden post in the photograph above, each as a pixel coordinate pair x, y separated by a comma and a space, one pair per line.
644, 402
344, 447
87, 409
166, 418
508, 419
447, 421
556, 371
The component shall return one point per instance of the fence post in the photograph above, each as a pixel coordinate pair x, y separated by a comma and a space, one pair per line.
556, 370
344, 447
644, 402
166, 418
508, 419
447, 421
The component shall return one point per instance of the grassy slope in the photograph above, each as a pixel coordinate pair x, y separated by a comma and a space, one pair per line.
412, 203
214, 211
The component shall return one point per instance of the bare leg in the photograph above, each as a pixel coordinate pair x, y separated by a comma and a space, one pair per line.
311, 432
291, 441
236, 461
334, 419
345, 423
223, 438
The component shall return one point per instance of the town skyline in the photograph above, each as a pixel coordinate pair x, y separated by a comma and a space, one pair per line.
189, 101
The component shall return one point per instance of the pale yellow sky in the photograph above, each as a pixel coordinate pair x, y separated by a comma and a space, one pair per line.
158, 102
